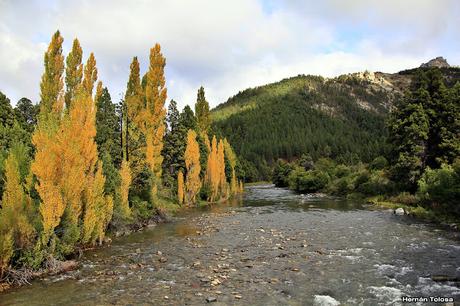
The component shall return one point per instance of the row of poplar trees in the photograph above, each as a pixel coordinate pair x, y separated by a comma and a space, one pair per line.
94, 164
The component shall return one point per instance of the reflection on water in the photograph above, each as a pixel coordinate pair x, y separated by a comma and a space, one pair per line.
272, 247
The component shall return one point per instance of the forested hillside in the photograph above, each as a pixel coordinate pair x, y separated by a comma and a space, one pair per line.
341, 118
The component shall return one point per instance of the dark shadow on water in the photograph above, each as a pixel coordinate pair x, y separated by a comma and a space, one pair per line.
285, 199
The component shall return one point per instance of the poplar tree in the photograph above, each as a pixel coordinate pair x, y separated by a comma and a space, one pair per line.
90, 75
80, 162
47, 154
212, 172
153, 117
221, 169
99, 89
51, 86
192, 164
180, 187
74, 72
125, 174
231, 157
98, 208
15, 205
131, 120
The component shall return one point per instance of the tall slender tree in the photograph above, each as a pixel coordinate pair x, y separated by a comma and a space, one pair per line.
221, 169
180, 187
132, 116
47, 154
125, 174
90, 75
74, 72
153, 117
192, 163
212, 173
51, 86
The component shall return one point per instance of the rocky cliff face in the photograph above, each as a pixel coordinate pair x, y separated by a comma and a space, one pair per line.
439, 62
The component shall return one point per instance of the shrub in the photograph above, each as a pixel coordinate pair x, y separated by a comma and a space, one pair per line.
142, 209
281, 173
441, 187
361, 177
378, 163
341, 186
342, 171
312, 181
325, 165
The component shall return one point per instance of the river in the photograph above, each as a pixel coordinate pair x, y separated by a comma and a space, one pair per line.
272, 247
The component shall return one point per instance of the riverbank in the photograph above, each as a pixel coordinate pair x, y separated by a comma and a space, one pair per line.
166, 211
16, 277
417, 211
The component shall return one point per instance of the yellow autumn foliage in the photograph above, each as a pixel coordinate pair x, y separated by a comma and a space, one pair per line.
180, 187
90, 75
98, 93
221, 169
125, 175
212, 171
69, 176
152, 116
193, 167
47, 163
14, 208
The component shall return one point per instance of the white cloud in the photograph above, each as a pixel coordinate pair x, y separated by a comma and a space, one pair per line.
226, 46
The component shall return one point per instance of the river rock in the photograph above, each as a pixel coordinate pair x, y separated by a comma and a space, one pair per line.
211, 299
399, 211
325, 300
68, 265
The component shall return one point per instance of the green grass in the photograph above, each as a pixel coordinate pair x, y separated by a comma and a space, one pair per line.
258, 183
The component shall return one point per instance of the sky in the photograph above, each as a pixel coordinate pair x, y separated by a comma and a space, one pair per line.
225, 46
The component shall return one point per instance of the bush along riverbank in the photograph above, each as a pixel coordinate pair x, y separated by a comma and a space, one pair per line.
77, 168
436, 198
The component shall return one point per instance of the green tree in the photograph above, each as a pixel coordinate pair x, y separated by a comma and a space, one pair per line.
6, 111
26, 114
448, 127
108, 132
174, 146
409, 127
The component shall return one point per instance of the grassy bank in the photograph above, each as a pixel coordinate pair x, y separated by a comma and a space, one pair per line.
416, 211
258, 183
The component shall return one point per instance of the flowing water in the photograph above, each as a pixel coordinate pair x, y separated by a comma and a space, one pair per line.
272, 247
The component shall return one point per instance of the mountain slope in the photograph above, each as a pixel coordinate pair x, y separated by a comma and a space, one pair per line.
343, 118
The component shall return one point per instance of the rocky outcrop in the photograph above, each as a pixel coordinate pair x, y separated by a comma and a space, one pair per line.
439, 62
